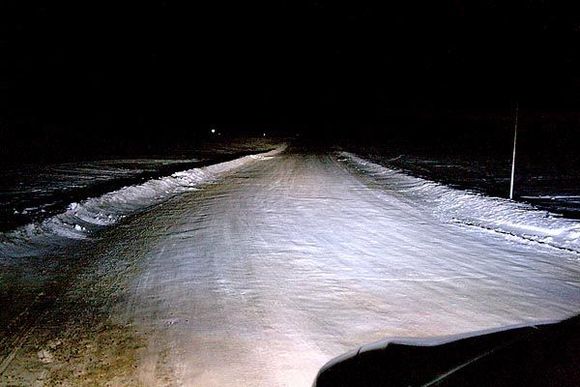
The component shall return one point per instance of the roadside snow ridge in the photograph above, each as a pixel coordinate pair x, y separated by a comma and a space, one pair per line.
83, 218
496, 214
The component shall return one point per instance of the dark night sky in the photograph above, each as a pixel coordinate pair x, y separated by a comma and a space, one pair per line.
165, 69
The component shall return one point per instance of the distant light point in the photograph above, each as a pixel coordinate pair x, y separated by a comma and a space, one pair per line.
213, 130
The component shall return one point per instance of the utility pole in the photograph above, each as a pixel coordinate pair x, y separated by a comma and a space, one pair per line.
514, 153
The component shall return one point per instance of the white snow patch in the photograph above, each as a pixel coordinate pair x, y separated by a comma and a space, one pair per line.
80, 219
474, 209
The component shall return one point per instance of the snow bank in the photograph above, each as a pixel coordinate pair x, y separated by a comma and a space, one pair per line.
491, 213
81, 219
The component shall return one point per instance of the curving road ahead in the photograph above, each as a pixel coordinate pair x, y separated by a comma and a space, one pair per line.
261, 277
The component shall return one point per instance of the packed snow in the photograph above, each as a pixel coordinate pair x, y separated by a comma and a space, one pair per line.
80, 219
293, 261
280, 265
515, 219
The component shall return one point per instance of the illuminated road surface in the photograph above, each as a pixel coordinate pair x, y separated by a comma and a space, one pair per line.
263, 276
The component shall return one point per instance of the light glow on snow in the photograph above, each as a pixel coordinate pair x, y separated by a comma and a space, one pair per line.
300, 258
80, 219
477, 210
280, 265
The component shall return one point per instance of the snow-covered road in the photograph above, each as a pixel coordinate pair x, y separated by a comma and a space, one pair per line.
260, 278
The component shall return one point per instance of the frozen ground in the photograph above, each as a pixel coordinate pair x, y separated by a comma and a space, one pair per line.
542, 180
34, 191
275, 266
